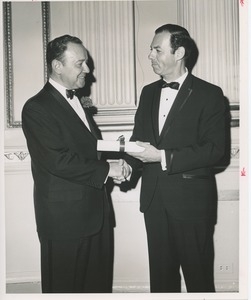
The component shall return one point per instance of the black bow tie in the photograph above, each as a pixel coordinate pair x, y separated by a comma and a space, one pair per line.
172, 85
71, 93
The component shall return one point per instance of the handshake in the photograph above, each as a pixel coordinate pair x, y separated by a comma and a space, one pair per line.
119, 170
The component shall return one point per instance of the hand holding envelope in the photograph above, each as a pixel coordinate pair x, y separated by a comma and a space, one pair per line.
140, 150
119, 170
118, 146
149, 154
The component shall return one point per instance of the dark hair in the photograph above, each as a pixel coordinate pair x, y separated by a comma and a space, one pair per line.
179, 37
57, 47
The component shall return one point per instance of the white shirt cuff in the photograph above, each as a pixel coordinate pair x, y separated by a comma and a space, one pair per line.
163, 160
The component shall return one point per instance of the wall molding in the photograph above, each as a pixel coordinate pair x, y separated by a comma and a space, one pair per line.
17, 161
9, 59
143, 287
21, 155
115, 94
115, 119
227, 286
108, 25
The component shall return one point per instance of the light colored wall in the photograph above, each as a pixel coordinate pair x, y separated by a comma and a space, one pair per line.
149, 15
131, 263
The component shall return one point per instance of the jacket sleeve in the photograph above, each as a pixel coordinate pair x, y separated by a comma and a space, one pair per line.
50, 150
136, 164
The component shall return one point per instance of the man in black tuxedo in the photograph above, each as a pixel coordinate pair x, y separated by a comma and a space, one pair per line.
73, 214
180, 123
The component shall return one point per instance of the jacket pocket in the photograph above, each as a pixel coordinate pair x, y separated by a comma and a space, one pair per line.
197, 176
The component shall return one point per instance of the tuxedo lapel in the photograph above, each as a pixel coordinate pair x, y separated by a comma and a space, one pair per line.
59, 98
67, 108
93, 126
155, 111
180, 100
94, 129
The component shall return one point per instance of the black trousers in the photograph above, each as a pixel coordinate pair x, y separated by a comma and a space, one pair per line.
173, 245
83, 265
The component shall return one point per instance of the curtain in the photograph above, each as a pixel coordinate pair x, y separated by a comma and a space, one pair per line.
214, 25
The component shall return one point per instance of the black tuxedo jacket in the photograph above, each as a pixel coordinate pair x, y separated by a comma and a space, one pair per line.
68, 177
193, 138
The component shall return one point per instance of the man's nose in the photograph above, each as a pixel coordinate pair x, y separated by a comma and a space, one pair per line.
85, 68
151, 55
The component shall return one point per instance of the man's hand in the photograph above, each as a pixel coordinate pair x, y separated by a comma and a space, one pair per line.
150, 154
126, 173
119, 170
116, 168
126, 169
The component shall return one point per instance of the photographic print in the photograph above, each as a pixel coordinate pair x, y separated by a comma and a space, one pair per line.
197, 174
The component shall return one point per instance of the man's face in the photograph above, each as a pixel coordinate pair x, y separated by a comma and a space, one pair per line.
74, 66
162, 59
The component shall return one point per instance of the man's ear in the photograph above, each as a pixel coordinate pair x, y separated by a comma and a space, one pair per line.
180, 53
56, 66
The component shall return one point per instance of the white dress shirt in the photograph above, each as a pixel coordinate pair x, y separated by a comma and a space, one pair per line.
74, 102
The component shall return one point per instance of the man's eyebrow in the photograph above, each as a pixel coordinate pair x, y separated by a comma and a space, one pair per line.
155, 47
82, 60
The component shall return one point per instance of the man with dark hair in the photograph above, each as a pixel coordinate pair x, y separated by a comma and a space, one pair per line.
73, 214
180, 122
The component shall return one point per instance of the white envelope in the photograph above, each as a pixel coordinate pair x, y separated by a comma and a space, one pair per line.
118, 146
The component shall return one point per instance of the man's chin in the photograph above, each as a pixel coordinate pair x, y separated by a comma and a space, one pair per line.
156, 71
81, 83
